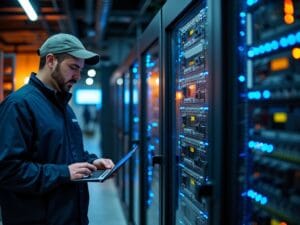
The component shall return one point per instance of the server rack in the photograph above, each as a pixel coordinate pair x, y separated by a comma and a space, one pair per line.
270, 187
126, 79
150, 175
199, 103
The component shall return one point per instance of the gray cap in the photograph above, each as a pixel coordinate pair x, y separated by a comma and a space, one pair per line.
66, 43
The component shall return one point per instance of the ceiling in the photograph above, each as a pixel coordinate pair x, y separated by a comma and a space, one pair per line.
95, 22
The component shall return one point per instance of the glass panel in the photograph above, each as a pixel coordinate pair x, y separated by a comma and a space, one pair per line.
151, 62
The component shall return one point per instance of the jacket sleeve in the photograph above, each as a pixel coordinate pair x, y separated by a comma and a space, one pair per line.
18, 172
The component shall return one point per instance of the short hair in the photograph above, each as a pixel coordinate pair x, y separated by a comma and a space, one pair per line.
60, 57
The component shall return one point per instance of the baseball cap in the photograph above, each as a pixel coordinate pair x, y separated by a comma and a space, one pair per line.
67, 43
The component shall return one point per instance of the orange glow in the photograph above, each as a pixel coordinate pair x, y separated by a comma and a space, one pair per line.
279, 64
7, 86
289, 8
283, 223
25, 64
179, 95
296, 53
288, 12
289, 19
192, 62
192, 87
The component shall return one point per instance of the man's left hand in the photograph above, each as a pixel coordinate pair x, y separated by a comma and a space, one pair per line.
103, 163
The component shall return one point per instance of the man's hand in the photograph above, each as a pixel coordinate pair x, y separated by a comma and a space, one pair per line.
79, 170
103, 164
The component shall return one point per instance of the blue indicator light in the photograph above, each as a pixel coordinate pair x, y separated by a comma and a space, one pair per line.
264, 147
251, 144
242, 14
250, 53
242, 33
264, 200
154, 124
266, 94
274, 45
243, 21
134, 70
256, 51
268, 47
136, 119
251, 2
283, 42
298, 37
242, 78
256, 95
270, 148
291, 39
262, 49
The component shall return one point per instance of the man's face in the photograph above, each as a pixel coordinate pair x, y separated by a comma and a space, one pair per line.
67, 73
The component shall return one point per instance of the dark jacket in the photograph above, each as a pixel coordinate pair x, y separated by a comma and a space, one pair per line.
40, 137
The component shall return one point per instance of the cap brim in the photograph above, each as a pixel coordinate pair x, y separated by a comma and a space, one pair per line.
89, 57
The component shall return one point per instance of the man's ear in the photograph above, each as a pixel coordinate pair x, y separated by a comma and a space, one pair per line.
51, 61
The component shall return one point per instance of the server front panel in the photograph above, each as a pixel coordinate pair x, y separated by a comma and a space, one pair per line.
191, 71
272, 169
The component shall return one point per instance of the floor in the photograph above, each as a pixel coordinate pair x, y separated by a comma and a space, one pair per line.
105, 207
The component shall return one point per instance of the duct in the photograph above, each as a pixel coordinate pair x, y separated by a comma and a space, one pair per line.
103, 8
89, 5
70, 14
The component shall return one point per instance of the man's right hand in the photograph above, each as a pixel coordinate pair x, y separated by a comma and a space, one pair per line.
79, 170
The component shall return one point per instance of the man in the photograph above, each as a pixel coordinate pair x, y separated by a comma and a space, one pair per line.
41, 148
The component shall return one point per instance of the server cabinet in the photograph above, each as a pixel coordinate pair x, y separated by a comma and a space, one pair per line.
125, 173
150, 174
126, 92
134, 139
189, 68
270, 36
199, 132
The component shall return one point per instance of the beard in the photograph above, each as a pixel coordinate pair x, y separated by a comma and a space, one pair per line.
60, 81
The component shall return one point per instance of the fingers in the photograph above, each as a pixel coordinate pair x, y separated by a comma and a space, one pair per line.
80, 170
103, 163
108, 163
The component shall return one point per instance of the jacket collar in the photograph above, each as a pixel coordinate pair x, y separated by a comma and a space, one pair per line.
62, 98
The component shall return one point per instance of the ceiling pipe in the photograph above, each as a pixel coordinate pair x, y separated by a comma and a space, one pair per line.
70, 14
142, 11
103, 8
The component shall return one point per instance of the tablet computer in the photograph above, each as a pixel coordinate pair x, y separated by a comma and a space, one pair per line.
102, 175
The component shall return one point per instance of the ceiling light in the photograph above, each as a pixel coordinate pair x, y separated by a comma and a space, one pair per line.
89, 81
91, 73
26, 5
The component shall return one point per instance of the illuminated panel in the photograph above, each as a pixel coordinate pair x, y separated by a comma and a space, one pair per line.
191, 71
271, 154
88, 96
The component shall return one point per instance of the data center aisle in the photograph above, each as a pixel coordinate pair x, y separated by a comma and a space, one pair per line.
105, 207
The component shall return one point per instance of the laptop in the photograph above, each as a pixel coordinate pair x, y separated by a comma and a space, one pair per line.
102, 175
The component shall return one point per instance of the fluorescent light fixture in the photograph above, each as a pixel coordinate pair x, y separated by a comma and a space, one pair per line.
26, 5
